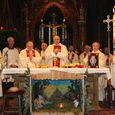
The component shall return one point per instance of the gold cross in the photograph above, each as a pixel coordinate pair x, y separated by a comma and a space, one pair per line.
53, 25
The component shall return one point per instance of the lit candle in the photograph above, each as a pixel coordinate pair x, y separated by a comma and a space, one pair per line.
61, 105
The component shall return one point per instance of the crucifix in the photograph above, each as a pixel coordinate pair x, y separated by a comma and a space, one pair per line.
108, 21
54, 27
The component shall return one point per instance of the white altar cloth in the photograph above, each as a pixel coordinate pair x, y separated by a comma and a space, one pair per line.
18, 71
42, 70
11, 71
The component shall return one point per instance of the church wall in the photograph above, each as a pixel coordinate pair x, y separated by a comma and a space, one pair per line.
69, 10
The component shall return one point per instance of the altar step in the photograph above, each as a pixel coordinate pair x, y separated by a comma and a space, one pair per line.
102, 112
54, 113
96, 112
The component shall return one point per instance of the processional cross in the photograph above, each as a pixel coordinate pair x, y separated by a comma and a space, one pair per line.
108, 21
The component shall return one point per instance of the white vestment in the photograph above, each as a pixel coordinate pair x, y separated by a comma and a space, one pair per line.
113, 72
26, 61
101, 80
43, 60
62, 55
83, 58
72, 58
10, 57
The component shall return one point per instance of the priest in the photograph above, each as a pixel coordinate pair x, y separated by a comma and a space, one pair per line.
29, 57
42, 54
56, 54
102, 59
10, 55
72, 56
102, 63
84, 55
10, 59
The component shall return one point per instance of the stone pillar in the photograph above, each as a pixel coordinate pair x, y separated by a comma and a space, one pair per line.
82, 27
27, 30
82, 32
75, 38
27, 23
32, 34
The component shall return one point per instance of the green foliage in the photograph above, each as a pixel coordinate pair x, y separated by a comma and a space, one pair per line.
87, 97
26, 95
38, 87
76, 89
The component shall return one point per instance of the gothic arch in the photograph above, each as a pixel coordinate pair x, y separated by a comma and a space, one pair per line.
67, 9
40, 14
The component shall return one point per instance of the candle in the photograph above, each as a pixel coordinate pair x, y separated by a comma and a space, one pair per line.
61, 105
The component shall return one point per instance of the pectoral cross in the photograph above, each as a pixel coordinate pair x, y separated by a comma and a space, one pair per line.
108, 21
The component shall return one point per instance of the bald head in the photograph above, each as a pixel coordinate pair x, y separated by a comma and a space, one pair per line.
29, 45
56, 40
95, 46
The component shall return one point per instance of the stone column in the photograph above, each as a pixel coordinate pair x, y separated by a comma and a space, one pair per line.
82, 32
27, 23
82, 27
32, 34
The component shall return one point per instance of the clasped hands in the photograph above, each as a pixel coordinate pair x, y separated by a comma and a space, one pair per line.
30, 56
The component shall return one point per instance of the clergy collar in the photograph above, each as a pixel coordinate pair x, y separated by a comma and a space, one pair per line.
29, 50
70, 52
10, 47
57, 44
96, 51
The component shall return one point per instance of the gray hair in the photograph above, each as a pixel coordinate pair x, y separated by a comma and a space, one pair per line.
10, 37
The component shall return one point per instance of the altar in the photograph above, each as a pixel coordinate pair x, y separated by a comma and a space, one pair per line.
61, 75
